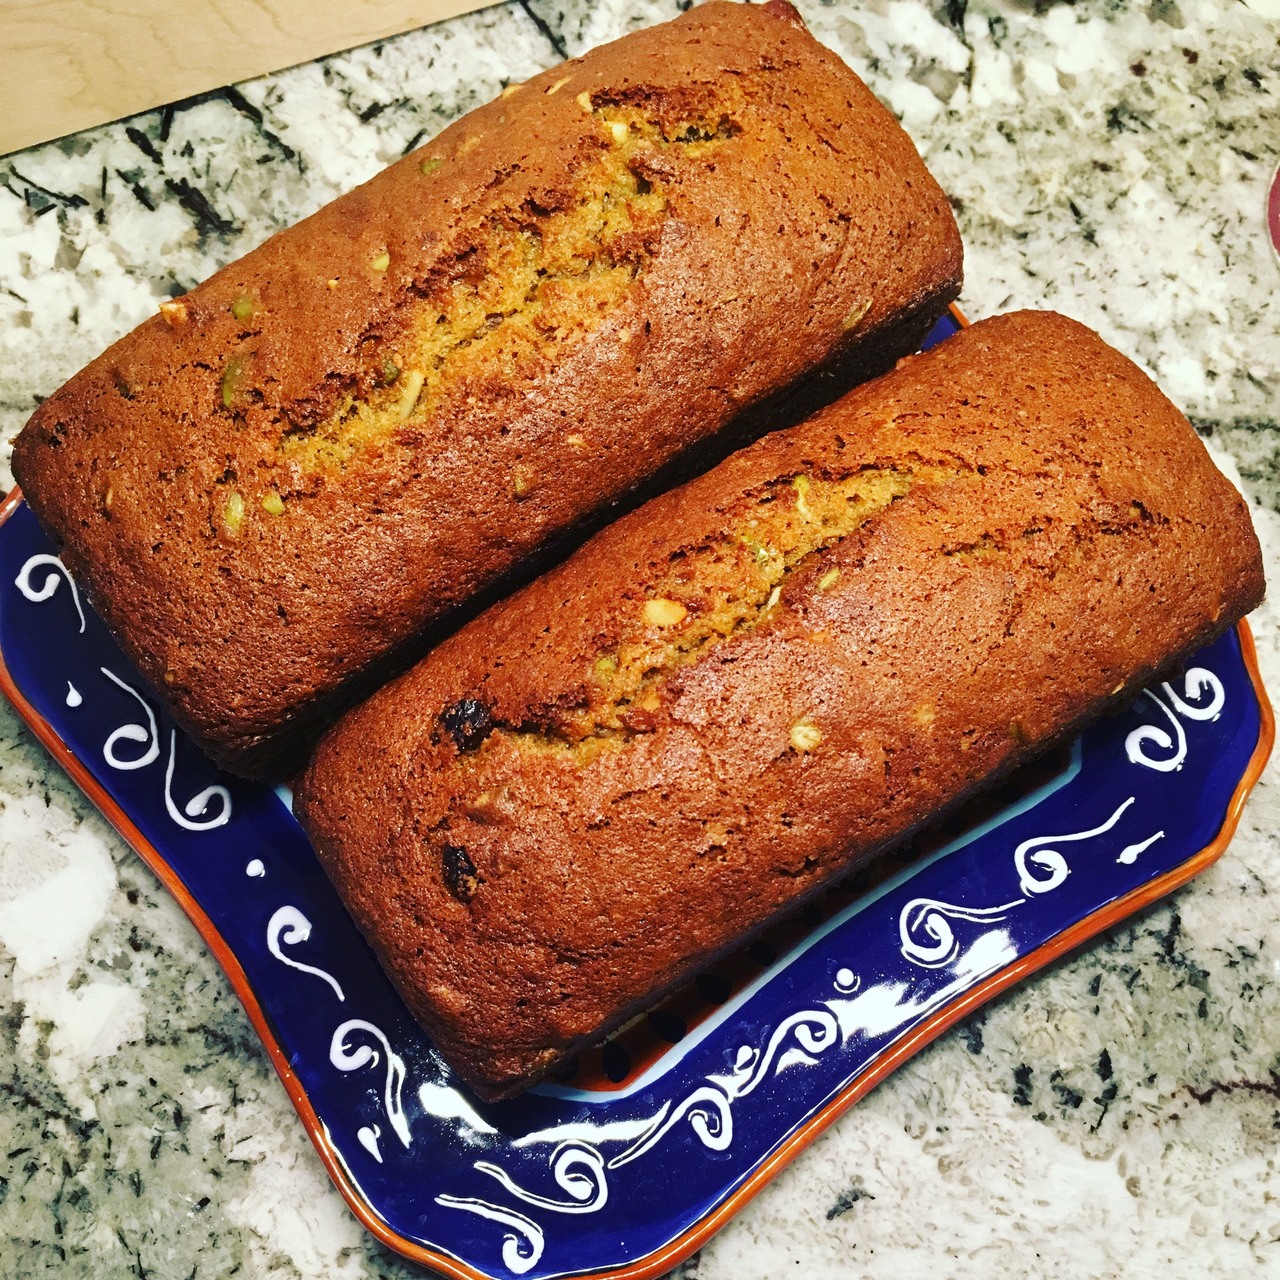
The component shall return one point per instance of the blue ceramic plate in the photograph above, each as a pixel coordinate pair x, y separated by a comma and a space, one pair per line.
731, 1077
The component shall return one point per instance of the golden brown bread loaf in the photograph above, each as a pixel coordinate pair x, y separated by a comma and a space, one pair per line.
272, 489
731, 696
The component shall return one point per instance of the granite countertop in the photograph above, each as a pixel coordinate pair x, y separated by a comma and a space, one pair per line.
1115, 1115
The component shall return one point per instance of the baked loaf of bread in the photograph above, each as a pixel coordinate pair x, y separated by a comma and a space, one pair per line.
274, 487
734, 694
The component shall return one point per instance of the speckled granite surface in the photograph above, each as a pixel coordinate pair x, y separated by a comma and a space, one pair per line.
1115, 1116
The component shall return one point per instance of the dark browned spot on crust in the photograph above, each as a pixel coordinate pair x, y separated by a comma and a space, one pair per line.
460, 876
468, 721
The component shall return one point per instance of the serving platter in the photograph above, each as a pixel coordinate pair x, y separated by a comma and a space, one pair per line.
730, 1078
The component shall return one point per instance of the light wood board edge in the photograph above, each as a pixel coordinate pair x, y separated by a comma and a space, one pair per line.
66, 65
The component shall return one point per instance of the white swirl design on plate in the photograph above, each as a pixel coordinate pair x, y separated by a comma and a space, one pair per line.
1135, 745
519, 1253
582, 1171
578, 1169
1194, 684
1129, 854
290, 926
148, 734
46, 589
368, 1135
74, 696
814, 1030
710, 1117
846, 981
192, 815
346, 1058
199, 803
933, 918
1037, 853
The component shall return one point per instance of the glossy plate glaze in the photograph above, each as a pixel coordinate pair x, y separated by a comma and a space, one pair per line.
730, 1078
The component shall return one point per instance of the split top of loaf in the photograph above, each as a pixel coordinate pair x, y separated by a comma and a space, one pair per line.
276, 488
732, 696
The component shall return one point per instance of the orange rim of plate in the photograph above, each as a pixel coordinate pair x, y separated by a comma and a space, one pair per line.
695, 1236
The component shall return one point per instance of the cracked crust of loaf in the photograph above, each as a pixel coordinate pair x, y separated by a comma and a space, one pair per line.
274, 489
732, 696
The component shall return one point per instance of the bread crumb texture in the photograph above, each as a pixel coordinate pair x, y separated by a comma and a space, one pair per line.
529, 282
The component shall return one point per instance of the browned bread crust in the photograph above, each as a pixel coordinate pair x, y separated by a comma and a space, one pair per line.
736, 693
274, 487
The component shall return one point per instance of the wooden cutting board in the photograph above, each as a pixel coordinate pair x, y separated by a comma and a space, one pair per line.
69, 64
